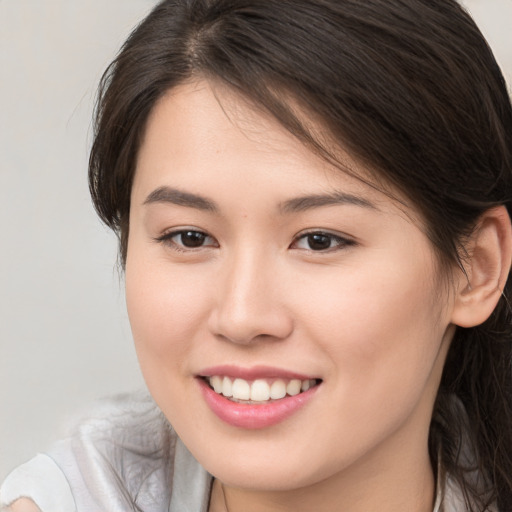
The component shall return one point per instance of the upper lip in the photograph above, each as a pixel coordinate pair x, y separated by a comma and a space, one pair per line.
253, 373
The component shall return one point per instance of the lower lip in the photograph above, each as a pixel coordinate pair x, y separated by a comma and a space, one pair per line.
254, 416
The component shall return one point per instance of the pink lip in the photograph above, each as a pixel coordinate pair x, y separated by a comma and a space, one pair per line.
253, 373
253, 416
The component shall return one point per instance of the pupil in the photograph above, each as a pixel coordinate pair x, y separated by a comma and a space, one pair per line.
192, 239
319, 242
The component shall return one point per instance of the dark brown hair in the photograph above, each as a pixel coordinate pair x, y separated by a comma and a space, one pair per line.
412, 90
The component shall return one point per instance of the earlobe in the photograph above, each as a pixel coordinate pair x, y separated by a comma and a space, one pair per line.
487, 268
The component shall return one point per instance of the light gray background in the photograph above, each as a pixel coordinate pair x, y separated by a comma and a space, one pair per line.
64, 334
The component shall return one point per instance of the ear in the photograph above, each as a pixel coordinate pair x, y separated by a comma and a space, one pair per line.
487, 268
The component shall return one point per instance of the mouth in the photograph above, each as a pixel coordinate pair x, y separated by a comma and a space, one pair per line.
256, 398
258, 391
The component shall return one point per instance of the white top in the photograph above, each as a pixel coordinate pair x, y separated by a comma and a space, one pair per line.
125, 456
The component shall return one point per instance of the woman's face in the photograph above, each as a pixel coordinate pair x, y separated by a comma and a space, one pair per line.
254, 265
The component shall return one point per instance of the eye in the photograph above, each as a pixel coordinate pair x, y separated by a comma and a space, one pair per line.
187, 239
320, 241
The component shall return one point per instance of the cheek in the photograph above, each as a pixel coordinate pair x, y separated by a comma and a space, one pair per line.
164, 306
164, 309
381, 332
379, 325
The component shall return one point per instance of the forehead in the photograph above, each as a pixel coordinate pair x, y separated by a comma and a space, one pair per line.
201, 133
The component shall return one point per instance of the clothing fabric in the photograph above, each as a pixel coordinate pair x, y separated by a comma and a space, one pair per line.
125, 456
120, 457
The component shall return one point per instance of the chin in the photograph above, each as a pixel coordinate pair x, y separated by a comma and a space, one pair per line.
267, 468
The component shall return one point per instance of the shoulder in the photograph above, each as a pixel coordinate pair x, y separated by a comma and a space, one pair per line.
43, 482
117, 454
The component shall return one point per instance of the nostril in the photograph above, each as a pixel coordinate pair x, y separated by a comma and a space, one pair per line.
251, 327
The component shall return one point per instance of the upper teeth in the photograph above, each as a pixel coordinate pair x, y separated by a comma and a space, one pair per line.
259, 390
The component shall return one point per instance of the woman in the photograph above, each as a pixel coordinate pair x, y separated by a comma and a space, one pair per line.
313, 205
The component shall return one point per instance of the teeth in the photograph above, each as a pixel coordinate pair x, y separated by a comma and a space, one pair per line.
227, 387
259, 390
216, 383
278, 390
293, 387
241, 389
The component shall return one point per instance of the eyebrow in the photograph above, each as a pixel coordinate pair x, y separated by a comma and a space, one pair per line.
180, 198
297, 204
300, 204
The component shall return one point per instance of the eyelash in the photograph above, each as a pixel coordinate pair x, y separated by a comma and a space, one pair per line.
339, 242
167, 239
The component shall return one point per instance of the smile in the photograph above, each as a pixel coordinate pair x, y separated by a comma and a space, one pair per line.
257, 398
260, 390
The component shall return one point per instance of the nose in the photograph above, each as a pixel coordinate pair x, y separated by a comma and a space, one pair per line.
250, 302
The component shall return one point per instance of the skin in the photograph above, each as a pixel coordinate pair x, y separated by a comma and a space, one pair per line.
24, 505
371, 315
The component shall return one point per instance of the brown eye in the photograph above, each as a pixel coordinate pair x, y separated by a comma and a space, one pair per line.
190, 239
319, 241
187, 239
